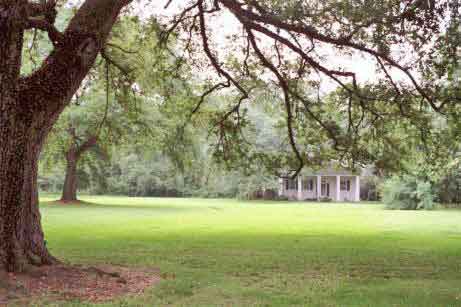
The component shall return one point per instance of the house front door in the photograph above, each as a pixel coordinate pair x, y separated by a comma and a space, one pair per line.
325, 189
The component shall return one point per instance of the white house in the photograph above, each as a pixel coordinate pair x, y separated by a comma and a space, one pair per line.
334, 184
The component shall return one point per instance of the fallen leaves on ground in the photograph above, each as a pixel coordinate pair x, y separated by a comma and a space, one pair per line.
64, 282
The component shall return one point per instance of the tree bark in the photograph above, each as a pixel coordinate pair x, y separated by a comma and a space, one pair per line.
21, 236
29, 107
28, 228
19, 224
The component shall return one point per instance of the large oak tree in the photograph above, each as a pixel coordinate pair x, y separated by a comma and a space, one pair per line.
31, 105
276, 43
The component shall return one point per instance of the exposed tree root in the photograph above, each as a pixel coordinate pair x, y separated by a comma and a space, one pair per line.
9, 290
63, 282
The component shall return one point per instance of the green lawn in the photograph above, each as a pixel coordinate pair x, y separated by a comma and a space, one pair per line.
232, 253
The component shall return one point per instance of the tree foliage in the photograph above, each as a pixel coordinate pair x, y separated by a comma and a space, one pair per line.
407, 193
290, 48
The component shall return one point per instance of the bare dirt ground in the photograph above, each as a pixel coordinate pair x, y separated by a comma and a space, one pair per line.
64, 282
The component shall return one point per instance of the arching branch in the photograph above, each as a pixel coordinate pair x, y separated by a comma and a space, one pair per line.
286, 91
309, 32
51, 87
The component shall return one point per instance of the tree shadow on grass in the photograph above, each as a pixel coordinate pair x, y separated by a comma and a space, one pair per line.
148, 207
66, 203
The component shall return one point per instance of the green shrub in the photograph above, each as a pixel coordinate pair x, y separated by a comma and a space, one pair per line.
448, 188
369, 188
407, 193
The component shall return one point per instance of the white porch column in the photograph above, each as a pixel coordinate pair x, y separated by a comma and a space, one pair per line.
338, 190
281, 187
319, 186
300, 191
357, 188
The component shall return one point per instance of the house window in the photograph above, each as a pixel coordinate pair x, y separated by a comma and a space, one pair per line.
308, 184
345, 185
291, 184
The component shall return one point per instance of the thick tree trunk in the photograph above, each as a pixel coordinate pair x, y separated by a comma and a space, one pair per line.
29, 229
69, 193
28, 109
21, 236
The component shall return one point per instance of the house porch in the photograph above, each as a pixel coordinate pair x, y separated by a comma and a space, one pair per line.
318, 187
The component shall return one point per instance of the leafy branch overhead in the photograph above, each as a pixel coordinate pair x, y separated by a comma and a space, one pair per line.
294, 46
301, 48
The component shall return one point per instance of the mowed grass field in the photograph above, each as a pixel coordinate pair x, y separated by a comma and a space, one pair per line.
235, 253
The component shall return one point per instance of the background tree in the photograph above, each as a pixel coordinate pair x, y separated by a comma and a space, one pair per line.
113, 103
93, 124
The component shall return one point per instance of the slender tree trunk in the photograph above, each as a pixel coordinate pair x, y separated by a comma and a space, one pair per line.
69, 193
